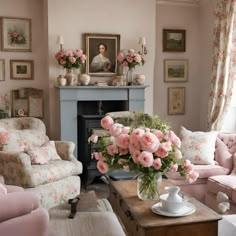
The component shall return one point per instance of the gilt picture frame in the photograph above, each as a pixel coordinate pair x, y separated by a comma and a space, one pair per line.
175, 70
22, 69
2, 70
101, 51
174, 40
176, 101
16, 34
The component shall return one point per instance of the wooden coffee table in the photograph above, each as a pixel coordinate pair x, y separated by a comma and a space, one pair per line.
139, 220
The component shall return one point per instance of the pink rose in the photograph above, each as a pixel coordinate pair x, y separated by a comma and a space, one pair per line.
149, 142
121, 161
174, 139
93, 138
129, 58
161, 153
123, 151
157, 164
166, 146
15, 34
173, 168
192, 177
146, 159
62, 62
125, 130
125, 63
69, 53
72, 60
102, 167
137, 133
83, 58
178, 154
97, 155
135, 156
126, 168
134, 145
137, 58
107, 122
112, 150
116, 129
120, 57
79, 52
123, 141
4, 136
158, 133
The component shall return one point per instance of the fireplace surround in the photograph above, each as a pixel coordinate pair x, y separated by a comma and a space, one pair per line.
82, 107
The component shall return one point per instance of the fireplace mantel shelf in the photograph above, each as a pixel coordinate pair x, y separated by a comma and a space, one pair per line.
70, 96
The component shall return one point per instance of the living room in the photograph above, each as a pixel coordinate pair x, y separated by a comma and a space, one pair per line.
131, 20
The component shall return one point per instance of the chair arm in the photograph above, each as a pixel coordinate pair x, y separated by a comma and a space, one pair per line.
17, 204
65, 150
36, 223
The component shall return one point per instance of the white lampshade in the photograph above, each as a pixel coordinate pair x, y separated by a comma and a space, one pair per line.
60, 40
142, 41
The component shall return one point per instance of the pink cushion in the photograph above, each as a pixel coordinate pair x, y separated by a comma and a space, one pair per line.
38, 155
222, 154
51, 148
222, 183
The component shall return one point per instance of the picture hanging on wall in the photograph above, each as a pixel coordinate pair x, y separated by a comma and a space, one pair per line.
176, 101
22, 69
101, 51
173, 40
175, 70
16, 34
2, 69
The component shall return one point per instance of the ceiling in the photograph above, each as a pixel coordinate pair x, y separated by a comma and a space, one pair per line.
179, 2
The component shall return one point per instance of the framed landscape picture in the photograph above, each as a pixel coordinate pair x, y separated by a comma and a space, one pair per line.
22, 69
175, 70
173, 40
101, 51
2, 70
16, 34
176, 101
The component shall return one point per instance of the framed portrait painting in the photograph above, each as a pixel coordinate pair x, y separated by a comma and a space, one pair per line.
16, 34
176, 101
2, 70
175, 70
22, 69
173, 40
101, 51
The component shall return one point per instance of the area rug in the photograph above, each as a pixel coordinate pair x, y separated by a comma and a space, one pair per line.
93, 216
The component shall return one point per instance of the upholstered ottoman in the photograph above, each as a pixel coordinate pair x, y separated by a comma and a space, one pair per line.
93, 217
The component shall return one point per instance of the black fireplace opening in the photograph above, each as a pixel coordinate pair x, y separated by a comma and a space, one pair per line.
90, 114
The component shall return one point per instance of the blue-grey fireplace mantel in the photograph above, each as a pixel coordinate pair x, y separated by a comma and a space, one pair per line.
69, 98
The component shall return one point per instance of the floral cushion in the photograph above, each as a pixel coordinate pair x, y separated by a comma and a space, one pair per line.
198, 147
19, 140
51, 149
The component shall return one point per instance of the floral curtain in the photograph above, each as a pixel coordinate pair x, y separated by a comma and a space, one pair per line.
224, 63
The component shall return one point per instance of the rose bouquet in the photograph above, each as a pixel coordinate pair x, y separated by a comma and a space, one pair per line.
16, 37
70, 59
4, 136
131, 59
149, 148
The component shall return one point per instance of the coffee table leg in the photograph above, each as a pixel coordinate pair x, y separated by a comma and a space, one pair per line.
73, 203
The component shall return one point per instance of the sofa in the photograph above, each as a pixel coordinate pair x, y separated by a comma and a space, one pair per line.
30, 160
220, 176
21, 213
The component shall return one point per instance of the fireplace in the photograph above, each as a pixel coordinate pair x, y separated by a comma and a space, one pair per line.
84, 106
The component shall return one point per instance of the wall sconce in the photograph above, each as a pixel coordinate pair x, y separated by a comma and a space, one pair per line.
60, 41
142, 42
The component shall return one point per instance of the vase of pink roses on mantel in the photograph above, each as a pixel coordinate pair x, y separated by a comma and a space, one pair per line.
147, 146
130, 60
71, 60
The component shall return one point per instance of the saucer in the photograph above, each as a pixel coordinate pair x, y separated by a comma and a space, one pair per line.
188, 209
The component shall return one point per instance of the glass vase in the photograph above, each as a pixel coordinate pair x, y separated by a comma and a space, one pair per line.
130, 76
149, 186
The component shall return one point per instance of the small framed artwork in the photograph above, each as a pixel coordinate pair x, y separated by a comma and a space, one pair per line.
176, 101
2, 70
175, 70
173, 40
101, 51
22, 69
16, 34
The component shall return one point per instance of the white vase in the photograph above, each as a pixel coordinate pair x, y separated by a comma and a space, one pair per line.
70, 77
84, 79
61, 80
130, 76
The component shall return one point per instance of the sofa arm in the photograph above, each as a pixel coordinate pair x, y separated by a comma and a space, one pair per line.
36, 223
17, 204
65, 150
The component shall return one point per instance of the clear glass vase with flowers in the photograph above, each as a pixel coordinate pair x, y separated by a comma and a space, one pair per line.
146, 146
130, 61
71, 60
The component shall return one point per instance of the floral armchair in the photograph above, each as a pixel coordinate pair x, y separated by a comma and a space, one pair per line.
30, 160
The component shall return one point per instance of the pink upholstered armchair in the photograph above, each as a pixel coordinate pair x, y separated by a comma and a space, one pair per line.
21, 214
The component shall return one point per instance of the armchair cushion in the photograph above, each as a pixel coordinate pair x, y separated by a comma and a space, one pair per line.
198, 147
